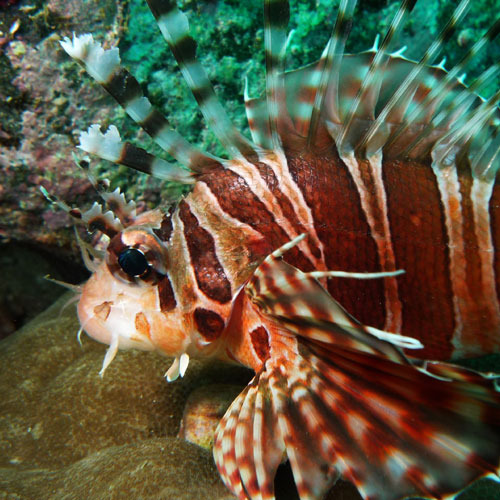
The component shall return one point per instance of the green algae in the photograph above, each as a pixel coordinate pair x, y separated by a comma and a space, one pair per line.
230, 38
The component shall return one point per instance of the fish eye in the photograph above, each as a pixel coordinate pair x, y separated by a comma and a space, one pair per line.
133, 262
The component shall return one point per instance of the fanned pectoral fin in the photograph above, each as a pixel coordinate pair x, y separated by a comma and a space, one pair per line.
248, 446
394, 430
401, 431
341, 397
251, 440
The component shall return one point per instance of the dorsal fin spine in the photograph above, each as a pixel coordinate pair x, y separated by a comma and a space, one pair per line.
369, 80
464, 130
457, 108
109, 146
260, 135
276, 17
437, 95
408, 86
483, 162
104, 66
174, 27
331, 64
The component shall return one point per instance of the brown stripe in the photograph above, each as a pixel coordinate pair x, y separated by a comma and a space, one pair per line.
116, 245
238, 201
161, 7
260, 342
102, 310
341, 226
210, 275
285, 204
495, 233
166, 294
123, 87
166, 227
142, 324
100, 223
421, 248
209, 323
154, 123
136, 158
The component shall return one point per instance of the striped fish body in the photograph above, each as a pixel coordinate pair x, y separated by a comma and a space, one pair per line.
360, 223
352, 241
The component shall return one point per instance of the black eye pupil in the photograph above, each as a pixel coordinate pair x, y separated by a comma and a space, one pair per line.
133, 262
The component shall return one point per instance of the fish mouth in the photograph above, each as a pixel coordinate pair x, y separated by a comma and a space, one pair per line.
113, 313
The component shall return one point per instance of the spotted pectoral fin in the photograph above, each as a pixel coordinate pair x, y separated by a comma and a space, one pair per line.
395, 430
254, 434
339, 397
248, 447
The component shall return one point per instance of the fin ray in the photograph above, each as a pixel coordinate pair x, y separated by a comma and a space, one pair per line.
174, 27
104, 66
351, 403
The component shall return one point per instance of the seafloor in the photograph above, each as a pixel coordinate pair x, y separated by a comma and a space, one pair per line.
64, 432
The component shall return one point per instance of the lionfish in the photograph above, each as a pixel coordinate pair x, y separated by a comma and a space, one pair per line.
345, 254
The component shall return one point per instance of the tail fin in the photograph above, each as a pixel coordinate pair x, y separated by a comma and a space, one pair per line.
338, 399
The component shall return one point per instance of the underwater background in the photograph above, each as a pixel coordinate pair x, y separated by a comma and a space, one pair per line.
64, 432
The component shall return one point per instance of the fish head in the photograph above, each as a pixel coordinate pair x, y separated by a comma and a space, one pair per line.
120, 304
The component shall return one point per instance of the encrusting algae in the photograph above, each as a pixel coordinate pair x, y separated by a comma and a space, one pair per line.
345, 253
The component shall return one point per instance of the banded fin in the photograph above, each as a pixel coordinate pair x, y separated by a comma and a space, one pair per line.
276, 17
174, 27
379, 102
397, 105
363, 103
439, 93
109, 146
338, 400
104, 66
330, 62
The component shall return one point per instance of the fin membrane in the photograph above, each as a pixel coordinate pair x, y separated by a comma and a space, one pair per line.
338, 400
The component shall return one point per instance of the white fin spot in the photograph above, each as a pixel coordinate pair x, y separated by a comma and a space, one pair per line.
108, 145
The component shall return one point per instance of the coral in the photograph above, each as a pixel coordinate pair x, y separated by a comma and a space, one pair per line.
204, 408
62, 425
